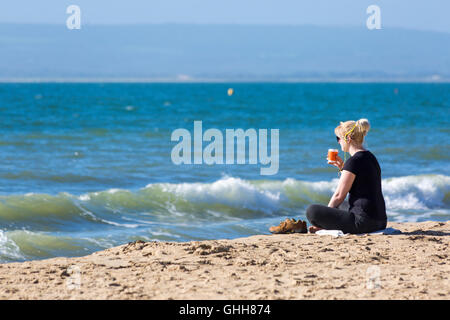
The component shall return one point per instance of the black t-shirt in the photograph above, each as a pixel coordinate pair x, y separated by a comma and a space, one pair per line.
366, 198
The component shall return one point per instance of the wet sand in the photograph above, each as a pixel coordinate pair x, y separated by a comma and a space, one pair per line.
413, 265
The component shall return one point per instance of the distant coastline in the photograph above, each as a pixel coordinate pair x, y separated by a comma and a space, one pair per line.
221, 53
225, 80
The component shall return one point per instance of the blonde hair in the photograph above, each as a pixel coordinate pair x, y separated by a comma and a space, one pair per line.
356, 130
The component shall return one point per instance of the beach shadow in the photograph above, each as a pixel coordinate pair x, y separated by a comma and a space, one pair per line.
426, 233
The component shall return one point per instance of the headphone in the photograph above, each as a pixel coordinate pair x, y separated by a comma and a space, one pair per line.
346, 135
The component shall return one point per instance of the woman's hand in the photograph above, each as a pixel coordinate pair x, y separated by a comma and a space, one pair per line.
339, 163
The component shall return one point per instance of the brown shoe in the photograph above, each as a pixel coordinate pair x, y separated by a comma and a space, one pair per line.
290, 226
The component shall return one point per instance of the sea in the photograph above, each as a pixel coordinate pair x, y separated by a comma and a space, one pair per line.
88, 166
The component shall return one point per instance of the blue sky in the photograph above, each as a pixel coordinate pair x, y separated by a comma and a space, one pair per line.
411, 14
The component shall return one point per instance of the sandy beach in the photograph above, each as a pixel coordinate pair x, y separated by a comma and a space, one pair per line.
413, 265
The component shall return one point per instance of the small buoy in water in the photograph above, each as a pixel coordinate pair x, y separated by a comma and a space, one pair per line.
396, 91
230, 91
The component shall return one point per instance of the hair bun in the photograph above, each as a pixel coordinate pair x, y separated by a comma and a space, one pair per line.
364, 125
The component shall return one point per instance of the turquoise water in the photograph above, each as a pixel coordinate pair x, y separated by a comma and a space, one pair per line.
84, 167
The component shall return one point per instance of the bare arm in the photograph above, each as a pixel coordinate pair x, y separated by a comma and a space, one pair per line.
344, 186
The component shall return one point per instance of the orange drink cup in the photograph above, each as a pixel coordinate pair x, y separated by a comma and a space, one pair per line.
332, 153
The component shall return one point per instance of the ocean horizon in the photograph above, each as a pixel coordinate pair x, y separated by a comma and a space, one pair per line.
181, 80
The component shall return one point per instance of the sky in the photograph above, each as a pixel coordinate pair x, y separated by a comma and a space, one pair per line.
430, 15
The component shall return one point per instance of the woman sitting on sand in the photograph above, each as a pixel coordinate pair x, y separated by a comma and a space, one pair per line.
361, 177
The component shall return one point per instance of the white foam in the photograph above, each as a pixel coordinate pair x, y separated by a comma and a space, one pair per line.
126, 225
85, 197
422, 192
323, 186
112, 191
166, 234
9, 249
410, 198
229, 191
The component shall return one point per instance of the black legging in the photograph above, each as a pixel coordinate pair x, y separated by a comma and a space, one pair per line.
335, 219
